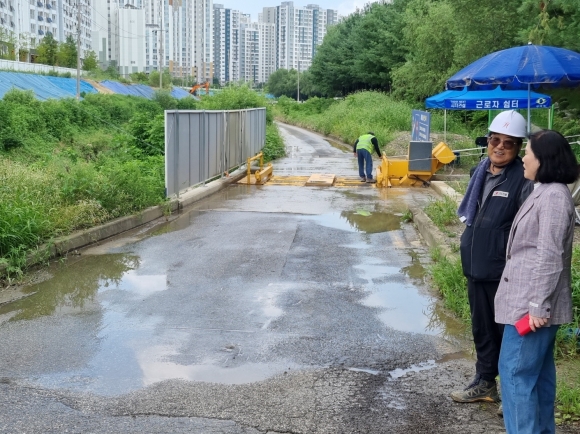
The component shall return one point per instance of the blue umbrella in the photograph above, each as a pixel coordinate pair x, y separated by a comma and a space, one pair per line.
520, 68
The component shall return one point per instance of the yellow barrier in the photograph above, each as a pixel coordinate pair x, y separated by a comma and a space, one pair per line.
261, 175
395, 172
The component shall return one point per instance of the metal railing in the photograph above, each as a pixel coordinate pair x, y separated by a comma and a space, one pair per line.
204, 144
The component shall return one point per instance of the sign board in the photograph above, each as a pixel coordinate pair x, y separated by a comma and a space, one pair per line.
496, 104
420, 126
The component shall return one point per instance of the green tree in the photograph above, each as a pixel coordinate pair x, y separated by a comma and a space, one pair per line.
378, 48
47, 50
551, 22
283, 82
67, 53
90, 62
333, 65
7, 44
431, 48
482, 27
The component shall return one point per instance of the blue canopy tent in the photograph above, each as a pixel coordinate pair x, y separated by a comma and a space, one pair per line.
493, 99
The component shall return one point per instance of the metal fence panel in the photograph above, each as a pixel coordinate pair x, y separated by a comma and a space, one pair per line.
200, 144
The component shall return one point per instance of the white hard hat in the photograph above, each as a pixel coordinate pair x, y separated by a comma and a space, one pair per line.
510, 123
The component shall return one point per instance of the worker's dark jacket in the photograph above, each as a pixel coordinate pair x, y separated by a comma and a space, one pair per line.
484, 243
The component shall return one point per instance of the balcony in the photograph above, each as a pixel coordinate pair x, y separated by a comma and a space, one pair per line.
40, 18
39, 4
49, 20
40, 32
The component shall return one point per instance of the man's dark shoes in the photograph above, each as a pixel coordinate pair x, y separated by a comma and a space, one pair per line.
363, 180
479, 390
371, 181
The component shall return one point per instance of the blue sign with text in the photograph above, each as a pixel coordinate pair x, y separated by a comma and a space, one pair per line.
421, 126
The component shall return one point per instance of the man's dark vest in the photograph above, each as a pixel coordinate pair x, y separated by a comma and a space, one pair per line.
483, 244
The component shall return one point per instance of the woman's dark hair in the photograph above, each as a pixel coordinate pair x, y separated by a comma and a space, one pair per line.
557, 161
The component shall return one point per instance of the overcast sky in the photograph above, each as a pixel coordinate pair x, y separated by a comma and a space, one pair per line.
254, 7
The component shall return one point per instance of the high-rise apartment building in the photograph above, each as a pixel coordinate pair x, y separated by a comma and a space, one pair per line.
266, 50
25, 23
226, 44
128, 39
203, 38
118, 34
298, 32
68, 21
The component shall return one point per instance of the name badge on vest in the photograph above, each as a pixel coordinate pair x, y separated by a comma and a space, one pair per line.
501, 193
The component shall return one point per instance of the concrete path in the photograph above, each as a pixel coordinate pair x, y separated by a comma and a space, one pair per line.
261, 309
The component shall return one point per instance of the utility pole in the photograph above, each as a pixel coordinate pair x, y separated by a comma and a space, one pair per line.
298, 94
78, 50
161, 40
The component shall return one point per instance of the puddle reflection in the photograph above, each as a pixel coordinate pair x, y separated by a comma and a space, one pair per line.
73, 289
360, 221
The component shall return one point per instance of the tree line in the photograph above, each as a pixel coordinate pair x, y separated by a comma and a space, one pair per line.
410, 47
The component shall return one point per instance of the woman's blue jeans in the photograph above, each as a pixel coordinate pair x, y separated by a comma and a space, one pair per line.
528, 380
365, 161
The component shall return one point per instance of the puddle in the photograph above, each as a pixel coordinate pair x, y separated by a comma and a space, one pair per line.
398, 373
247, 373
402, 308
354, 221
455, 356
401, 304
415, 270
368, 371
73, 289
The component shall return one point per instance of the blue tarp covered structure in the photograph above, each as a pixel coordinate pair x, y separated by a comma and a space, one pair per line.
43, 86
494, 99
179, 93
141, 90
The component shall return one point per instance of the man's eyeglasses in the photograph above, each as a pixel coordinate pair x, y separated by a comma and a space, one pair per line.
508, 144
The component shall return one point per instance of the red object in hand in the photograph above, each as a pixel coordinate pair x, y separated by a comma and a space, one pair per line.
523, 325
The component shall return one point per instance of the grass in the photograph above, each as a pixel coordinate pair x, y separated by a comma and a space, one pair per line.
448, 277
568, 390
443, 212
358, 113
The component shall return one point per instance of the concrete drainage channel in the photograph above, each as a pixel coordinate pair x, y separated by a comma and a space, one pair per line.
63, 245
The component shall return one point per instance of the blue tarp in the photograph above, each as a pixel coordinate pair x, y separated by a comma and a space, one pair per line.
495, 99
139, 90
179, 93
44, 86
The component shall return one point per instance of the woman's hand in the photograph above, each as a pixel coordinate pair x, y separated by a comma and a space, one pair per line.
537, 322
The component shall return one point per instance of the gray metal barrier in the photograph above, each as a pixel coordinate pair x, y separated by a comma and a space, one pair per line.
203, 144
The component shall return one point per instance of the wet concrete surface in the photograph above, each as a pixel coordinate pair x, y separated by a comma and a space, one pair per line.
262, 309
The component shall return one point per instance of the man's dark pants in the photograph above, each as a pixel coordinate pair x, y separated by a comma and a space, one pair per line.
365, 163
487, 334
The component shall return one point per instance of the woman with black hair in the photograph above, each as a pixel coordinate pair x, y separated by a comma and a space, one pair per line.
534, 291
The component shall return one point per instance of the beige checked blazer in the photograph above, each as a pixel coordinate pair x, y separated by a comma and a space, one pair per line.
536, 278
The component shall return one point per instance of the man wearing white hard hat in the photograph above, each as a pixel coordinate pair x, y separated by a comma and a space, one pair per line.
495, 192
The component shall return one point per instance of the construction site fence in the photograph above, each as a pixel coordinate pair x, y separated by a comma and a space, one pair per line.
38, 68
204, 144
